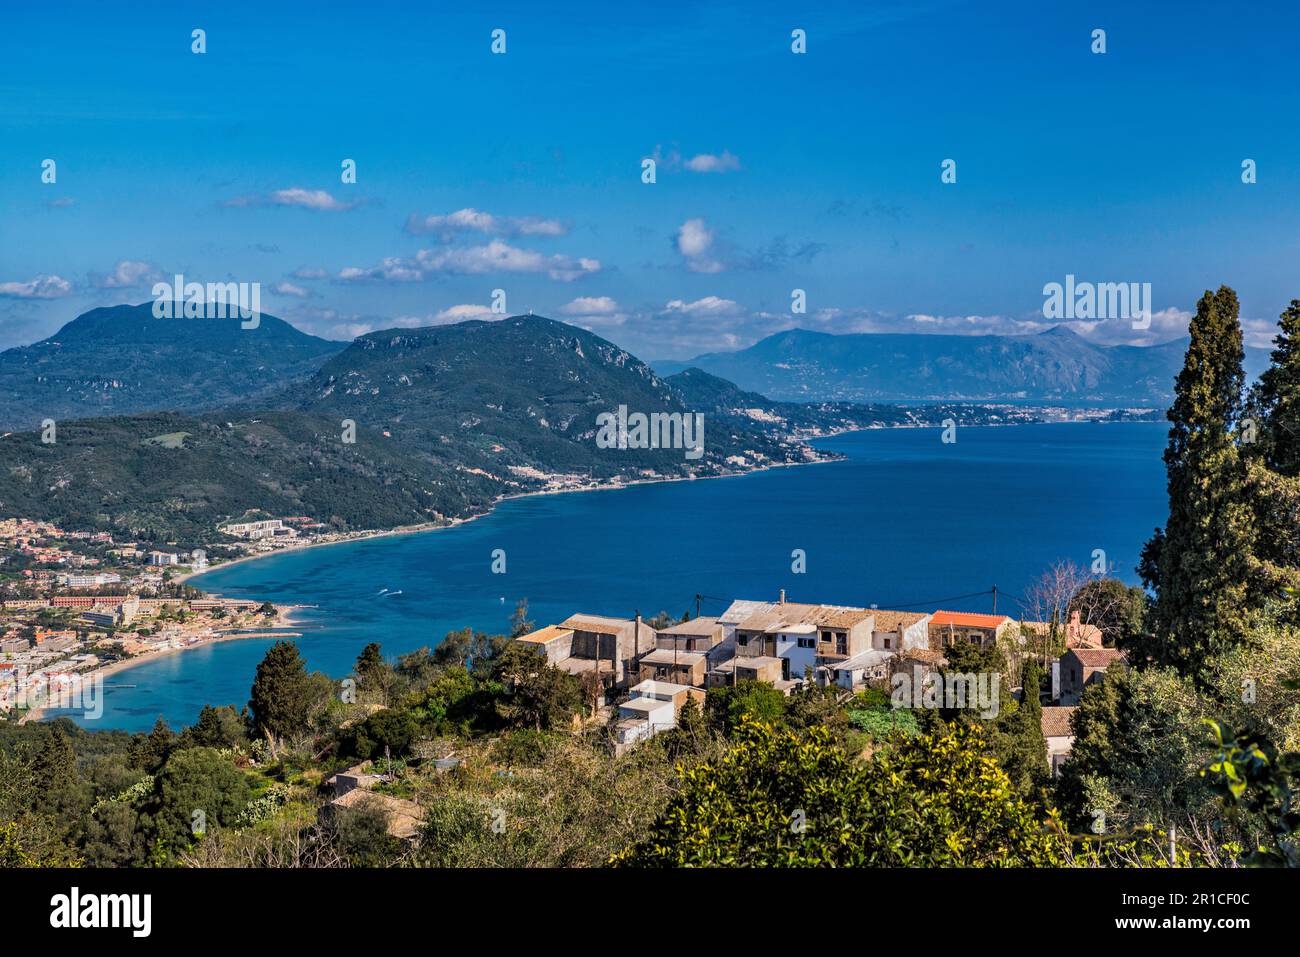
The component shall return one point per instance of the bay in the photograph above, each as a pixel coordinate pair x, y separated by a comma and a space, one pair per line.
903, 521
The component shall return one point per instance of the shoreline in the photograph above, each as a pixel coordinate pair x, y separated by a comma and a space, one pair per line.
605, 487
453, 523
126, 664
284, 620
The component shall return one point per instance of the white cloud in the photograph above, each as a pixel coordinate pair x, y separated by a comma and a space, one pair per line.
724, 162
42, 287
391, 269
128, 274
708, 306
452, 314
289, 289
590, 306
473, 220
594, 312
695, 242
708, 163
496, 256
310, 272
317, 199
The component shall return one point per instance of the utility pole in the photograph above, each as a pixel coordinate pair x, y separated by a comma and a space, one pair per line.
995, 599
698, 596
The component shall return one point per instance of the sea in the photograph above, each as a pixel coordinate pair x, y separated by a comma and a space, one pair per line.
903, 521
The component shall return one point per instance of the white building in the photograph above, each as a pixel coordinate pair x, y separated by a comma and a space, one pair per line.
852, 673
254, 530
653, 707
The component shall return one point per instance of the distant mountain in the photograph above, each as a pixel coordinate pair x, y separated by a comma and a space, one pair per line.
120, 359
1056, 366
517, 396
405, 427
445, 421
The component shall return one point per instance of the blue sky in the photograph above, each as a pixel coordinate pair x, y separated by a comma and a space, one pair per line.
775, 171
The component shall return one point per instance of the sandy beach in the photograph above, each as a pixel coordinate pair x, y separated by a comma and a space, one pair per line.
283, 620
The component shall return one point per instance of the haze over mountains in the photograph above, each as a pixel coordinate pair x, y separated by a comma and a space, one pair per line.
1057, 366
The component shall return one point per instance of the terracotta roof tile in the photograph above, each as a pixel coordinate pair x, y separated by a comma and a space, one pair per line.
1056, 722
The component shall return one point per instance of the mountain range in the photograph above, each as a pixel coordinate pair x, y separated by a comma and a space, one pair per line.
399, 427
1056, 366
396, 428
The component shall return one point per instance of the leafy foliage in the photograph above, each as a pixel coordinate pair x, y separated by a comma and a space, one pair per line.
787, 798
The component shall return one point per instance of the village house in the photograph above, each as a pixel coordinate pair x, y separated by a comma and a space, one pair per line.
900, 630
685, 652
803, 636
595, 644
1081, 667
950, 627
854, 673
1059, 734
653, 707
353, 789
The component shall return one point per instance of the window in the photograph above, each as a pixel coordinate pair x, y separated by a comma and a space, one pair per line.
742, 640
887, 644
841, 645
808, 642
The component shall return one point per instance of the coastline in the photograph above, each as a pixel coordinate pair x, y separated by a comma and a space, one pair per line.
604, 487
284, 619
126, 664
453, 523
285, 614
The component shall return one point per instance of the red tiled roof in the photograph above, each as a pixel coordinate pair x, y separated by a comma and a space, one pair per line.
1096, 657
968, 619
1056, 722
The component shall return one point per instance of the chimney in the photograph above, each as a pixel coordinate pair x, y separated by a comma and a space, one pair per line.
1075, 627
782, 599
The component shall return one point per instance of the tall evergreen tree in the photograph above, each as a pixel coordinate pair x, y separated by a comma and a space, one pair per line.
55, 768
1204, 560
1276, 398
282, 692
1273, 471
370, 663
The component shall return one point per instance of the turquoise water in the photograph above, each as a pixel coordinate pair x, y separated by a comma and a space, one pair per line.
904, 520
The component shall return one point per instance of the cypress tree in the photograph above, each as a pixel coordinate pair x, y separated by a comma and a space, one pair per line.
55, 768
1203, 562
1273, 470
1277, 398
281, 697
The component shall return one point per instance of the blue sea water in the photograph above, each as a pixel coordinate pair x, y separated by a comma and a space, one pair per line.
904, 520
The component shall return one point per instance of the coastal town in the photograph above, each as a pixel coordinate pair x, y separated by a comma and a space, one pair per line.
76, 606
